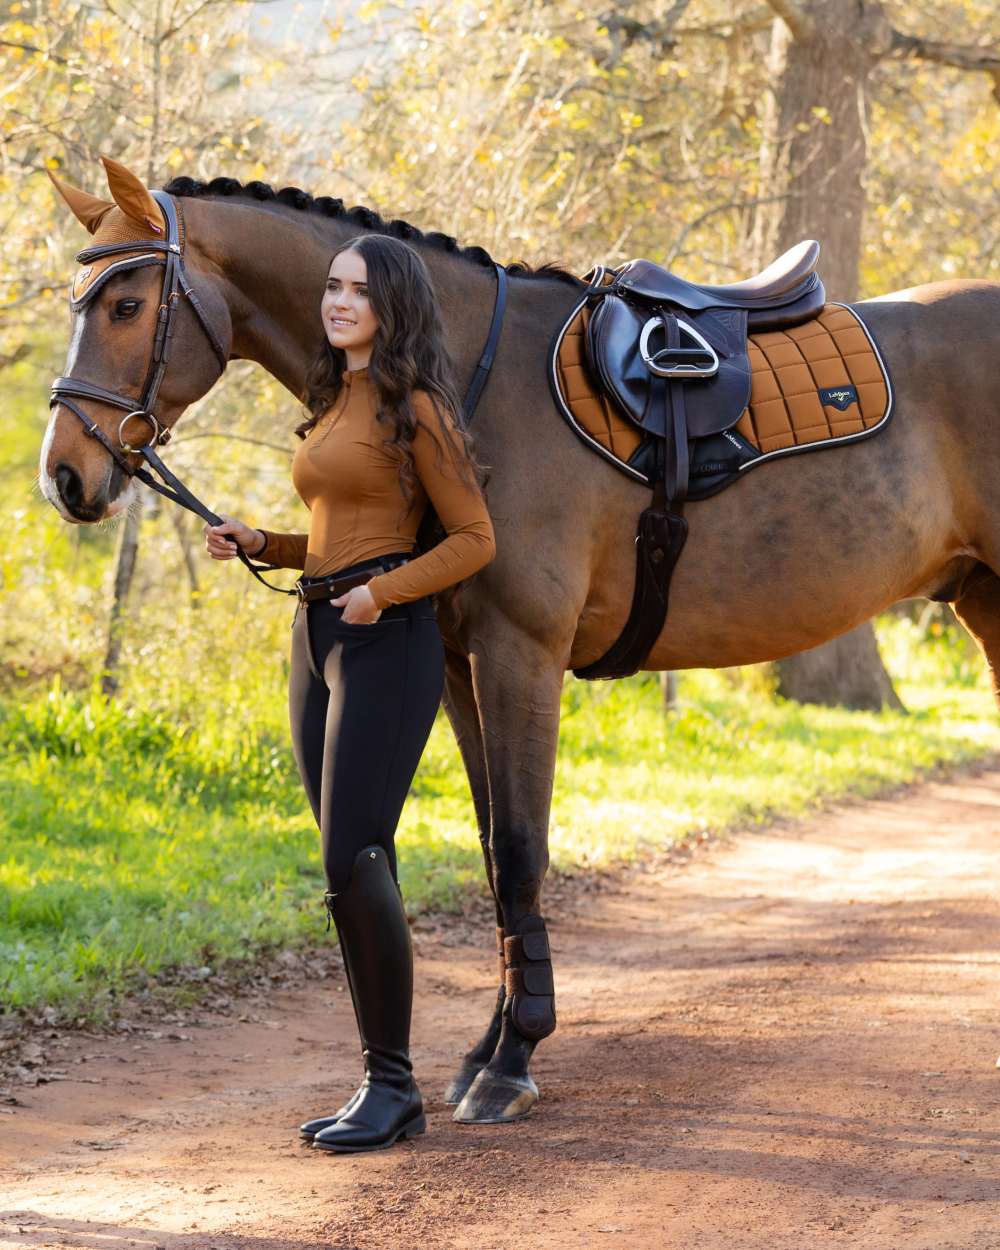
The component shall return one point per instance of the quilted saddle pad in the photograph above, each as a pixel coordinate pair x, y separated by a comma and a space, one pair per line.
819, 384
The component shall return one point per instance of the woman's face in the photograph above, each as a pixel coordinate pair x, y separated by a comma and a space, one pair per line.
347, 316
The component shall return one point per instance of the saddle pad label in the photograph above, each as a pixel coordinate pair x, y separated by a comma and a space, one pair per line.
839, 397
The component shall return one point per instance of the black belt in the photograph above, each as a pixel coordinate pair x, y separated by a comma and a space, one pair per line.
333, 585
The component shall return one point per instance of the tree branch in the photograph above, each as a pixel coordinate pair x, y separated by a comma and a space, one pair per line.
33, 294
625, 30
983, 59
748, 23
12, 358
30, 47
238, 438
795, 17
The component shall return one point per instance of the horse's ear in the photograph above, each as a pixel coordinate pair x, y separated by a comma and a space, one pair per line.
87, 208
132, 197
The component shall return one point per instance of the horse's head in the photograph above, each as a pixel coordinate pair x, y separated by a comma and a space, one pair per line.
147, 338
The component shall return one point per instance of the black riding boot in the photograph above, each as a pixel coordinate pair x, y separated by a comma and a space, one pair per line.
311, 1127
370, 918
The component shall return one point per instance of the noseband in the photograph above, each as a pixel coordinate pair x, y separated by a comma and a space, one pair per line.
175, 284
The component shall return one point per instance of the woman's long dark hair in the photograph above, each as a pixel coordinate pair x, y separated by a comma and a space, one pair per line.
408, 354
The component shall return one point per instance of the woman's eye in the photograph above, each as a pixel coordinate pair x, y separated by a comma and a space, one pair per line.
127, 307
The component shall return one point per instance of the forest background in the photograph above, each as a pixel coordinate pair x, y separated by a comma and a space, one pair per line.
153, 819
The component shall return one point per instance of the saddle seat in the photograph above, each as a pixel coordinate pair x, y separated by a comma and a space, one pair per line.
783, 282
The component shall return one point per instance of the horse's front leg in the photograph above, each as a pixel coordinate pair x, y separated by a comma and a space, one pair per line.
518, 685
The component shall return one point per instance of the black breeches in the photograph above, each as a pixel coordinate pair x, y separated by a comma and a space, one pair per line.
362, 700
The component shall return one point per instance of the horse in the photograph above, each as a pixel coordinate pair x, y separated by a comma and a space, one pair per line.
785, 559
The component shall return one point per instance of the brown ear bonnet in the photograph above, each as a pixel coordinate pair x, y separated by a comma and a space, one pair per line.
132, 216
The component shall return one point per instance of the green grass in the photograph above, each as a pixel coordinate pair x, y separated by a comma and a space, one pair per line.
140, 838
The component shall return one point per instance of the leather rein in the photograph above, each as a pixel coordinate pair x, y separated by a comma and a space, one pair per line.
65, 390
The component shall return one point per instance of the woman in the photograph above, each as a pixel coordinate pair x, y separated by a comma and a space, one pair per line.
367, 660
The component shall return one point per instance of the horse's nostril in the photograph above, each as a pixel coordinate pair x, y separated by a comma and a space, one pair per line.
70, 488
69, 485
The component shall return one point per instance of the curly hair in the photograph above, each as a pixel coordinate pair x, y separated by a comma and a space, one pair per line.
408, 354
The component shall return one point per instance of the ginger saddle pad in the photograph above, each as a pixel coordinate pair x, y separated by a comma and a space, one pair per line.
819, 384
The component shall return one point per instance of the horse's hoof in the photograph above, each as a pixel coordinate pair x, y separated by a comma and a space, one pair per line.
459, 1086
494, 1098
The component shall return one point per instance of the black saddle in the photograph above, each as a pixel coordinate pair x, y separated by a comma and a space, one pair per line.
654, 338
769, 297
673, 357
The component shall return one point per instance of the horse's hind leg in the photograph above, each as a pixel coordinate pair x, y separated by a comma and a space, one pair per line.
460, 704
978, 608
518, 686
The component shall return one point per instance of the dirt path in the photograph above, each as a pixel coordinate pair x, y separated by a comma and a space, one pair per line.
789, 1043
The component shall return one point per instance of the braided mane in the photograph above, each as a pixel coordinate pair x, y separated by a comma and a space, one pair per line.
365, 218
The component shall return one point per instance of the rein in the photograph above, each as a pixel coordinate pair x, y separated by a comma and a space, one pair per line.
176, 284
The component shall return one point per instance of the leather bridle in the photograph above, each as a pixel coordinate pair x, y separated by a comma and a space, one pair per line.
176, 284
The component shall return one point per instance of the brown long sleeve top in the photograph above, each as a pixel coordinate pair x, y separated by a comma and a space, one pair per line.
351, 485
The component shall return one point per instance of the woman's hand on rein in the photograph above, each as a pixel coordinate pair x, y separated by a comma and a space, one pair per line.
219, 547
358, 606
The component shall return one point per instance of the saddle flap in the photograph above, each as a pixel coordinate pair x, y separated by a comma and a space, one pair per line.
714, 403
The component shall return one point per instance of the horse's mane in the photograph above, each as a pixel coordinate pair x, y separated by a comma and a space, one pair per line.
366, 218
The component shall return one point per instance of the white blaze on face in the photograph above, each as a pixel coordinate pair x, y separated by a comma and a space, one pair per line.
45, 483
63, 421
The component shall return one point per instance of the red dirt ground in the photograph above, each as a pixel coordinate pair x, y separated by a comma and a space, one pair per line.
789, 1042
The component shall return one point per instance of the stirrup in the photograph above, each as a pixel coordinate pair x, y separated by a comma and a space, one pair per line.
328, 898
701, 361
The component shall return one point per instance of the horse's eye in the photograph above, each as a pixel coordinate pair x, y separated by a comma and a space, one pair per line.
127, 307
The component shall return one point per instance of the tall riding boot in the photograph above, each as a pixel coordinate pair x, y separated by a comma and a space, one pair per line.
369, 915
311, 1127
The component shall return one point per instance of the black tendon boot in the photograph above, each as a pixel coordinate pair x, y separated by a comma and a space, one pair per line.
311, 1127
369, 915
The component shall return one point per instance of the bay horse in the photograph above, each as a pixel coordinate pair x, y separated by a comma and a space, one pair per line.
789, 557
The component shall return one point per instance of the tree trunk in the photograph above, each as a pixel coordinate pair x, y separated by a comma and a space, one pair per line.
813, 156
124, 572
847, 672
668, 685
177, 518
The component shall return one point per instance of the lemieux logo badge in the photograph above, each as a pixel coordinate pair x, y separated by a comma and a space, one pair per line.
839, 397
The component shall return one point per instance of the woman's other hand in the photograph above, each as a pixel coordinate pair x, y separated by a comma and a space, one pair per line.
221, 547
359, 606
